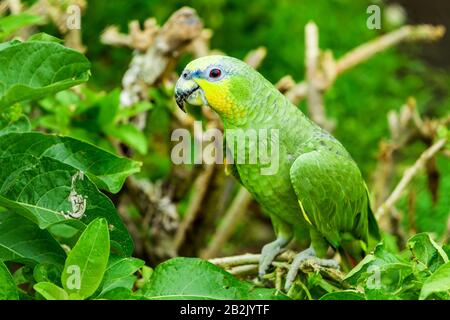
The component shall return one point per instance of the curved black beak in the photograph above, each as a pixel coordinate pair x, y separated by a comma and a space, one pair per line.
182, 93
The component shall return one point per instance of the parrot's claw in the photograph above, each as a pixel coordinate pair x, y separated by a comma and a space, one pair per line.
268, 254
302, 257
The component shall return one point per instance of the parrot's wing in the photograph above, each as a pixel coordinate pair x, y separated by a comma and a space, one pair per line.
331, 194
230, 168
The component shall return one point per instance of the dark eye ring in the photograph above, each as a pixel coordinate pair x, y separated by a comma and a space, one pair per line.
215, 73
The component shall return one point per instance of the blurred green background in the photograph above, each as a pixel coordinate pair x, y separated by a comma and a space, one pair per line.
359, 100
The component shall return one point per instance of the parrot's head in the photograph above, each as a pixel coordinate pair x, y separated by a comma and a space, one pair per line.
223, 83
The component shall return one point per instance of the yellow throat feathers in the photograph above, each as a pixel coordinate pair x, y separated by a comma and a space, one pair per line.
220, 98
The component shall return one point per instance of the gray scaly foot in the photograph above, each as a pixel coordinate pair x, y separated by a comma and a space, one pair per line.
269, 252
300, 258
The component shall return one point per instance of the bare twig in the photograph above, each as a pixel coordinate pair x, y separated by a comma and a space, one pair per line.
401, 133
248, 264
408, 176
57, 12
160, 218
368, 50
286, 83
255, 57
230, 220
200, 46
314, 95
249, 258
201, 186
137, 38
170, 40
15, 6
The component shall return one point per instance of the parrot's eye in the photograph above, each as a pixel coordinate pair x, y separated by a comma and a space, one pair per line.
215, 73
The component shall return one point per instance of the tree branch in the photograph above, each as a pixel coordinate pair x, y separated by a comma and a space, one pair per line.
248, 264
408, 176
313, 93
367, 51
229, 222
201, 186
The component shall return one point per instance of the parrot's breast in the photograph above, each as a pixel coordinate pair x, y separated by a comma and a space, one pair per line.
268, 180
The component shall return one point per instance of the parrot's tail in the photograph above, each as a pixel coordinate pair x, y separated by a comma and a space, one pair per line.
374, 231
351, 252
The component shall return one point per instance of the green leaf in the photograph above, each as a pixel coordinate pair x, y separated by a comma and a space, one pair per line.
426, 252
23, 275
131, 111
359, 268
31, 70
47, 273
12, 119
86, 262
383, 294
145, 275
344, 295
119, 273
47, 192
63, 231
105, 169
8, 290
439, 281
22, 124
192, 278
22, 241
42, 36
130, 135
109, 106
381, 270
119, 293
12, 23
51, 291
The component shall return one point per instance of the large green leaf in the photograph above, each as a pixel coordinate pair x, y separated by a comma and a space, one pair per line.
22, 124
344, 295
8, 290
426, 252
22, 241
439, 281
33, 69
119, 293
105, 169
47, 191
51, 291
48, 273
130, 135
382, 270
192, 278
86, 262
120, 273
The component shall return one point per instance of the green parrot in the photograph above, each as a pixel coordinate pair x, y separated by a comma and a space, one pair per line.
315, 194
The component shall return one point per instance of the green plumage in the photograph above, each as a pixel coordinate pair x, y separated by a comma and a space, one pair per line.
317, 177
317, 195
